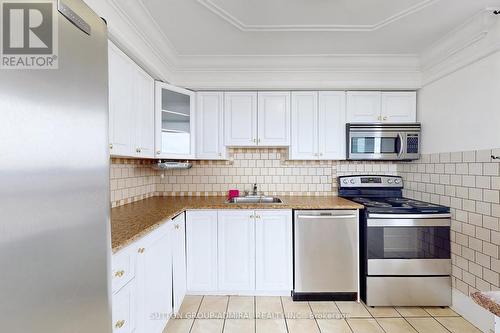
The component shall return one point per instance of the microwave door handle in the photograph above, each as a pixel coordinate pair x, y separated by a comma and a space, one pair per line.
401, 148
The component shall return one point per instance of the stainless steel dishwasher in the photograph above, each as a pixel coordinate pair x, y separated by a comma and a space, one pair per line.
326, 255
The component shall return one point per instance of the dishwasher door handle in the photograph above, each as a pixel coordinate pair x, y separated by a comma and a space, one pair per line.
324, 217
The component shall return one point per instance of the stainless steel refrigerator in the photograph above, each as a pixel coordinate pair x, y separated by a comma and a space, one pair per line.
54, 179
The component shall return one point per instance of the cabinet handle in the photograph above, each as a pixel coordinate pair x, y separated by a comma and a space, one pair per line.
120, 273
385, 118
120, 323
258, 140
379, 118
254, 140
158, 152
176, 226
257, 216
141, 250
252, 216
110, 146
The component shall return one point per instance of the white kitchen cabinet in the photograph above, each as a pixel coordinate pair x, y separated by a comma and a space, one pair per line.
210, 126
386, 106
318, 125
201, 247
178, 240
399, 107
331, 125
363, 106
124, 310
154, 280
273, 249
131, 108
236, 250
304, 125
240, 119
273, 118
174, 122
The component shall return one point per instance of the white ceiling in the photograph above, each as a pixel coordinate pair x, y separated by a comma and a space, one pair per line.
307, 27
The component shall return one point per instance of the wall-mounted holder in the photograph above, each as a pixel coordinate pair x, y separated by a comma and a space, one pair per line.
493, 157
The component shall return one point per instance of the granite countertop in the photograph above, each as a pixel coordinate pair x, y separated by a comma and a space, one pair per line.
490, 300
132, 221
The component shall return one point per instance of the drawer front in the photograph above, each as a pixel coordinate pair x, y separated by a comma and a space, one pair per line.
124, 311
123, 268
408, 291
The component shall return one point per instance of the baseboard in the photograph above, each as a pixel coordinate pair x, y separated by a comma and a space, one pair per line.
467, 308
240, 293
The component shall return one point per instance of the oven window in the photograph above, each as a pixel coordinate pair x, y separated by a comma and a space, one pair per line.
408, 242
371, 145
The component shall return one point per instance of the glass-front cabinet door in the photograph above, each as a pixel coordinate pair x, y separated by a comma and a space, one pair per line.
174, 122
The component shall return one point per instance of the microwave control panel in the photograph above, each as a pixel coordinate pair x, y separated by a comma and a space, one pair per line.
412, 144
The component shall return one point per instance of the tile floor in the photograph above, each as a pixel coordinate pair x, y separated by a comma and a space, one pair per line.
246, 314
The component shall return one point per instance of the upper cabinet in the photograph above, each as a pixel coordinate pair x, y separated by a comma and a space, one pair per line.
240, 118
273, 118
210, 126
399, 107
131, 107
318, 125
376, 106
257, 119
174, 122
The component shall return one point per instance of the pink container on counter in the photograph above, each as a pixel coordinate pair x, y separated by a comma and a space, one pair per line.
232, 194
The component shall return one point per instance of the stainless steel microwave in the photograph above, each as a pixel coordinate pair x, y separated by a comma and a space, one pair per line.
388, 142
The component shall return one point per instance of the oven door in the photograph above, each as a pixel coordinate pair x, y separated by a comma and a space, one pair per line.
376, 145
408, 244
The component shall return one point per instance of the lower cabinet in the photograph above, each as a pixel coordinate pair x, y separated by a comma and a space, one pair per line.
239, 252
149, 280
178, 241
236, 250
154, 280
273, 251
201, 247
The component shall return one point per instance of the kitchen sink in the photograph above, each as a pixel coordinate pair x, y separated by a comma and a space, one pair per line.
255, 200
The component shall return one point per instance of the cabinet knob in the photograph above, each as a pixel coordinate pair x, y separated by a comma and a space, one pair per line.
254, 140
385, 118
141, 250
176, 226
110, 146
120, 323
220, 154
158, 152
320, 154
258, 140
120, 273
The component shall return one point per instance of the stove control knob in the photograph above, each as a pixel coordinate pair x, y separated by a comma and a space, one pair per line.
344, 181
389, 181
352, 181
397, 181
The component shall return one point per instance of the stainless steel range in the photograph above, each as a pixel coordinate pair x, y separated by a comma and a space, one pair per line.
404, 244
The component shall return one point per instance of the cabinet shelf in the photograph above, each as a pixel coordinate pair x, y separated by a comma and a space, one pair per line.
176, 113
173, 131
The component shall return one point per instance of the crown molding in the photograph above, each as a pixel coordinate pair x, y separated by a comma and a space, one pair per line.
237, 23
474, 40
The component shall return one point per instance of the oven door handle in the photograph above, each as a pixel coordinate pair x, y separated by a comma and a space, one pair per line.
410, 216
409, 223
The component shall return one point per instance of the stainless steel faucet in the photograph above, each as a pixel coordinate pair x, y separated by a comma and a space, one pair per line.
254, 192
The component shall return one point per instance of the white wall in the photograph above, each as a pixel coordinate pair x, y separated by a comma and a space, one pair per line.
461, 111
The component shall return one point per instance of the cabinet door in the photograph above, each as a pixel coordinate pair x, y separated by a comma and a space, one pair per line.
210, 126
363, 106
179, 260
154, 279
304, 126
273, 248
331, 125
201, 247
174, 122
399, 107
236, 250
124, 310
240, 119
121, 117
273, 119
144, 108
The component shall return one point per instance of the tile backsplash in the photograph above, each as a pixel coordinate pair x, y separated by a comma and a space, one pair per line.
134, 180
469, 183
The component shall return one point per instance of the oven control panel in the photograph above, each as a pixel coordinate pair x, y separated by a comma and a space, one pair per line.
371, 181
